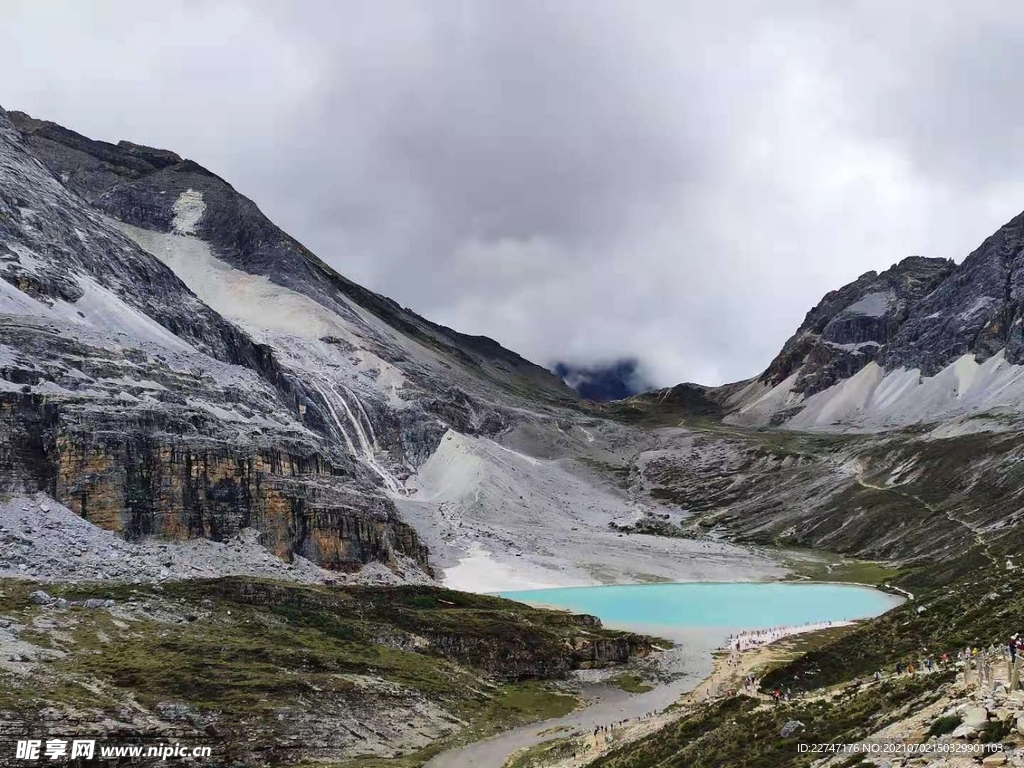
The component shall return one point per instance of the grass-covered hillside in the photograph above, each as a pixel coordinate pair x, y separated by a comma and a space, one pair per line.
280, 673
741, 732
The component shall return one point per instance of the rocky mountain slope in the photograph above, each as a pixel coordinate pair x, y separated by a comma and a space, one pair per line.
158, 191
924, 341
850, 326
176, 365
209, 437
186, 392
888, 427
172, 363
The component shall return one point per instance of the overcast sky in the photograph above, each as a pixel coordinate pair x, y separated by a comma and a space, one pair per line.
581, 180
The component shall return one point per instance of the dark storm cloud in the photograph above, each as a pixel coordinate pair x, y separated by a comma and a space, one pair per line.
584, 181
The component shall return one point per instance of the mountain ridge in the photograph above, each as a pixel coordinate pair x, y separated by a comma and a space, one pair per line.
924, 341
172, 435
244, 237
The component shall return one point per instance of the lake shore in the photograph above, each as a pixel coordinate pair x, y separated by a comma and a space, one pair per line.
623, 717
726, 677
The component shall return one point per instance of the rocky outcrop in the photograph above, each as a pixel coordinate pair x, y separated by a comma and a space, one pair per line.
978, 308
141, 479
594, 653
926, 340
520, 656
853, 326
671, 404
128, 399
146, 487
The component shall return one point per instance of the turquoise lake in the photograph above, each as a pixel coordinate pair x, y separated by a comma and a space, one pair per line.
730, 606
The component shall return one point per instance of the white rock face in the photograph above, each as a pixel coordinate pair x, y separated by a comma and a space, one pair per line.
188, 211
975, 717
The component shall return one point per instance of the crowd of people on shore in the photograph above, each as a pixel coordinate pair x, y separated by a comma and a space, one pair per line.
753, 638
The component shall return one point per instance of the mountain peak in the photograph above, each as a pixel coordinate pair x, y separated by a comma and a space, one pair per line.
849, 326
924, 340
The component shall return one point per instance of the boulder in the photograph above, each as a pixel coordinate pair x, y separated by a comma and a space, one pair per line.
976, 717
790, 728
964, 731
991, 761
40, 598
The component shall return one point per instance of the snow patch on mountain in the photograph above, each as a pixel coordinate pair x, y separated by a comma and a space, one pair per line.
253, 301
293, 323
103, 310
15, 302
97, 307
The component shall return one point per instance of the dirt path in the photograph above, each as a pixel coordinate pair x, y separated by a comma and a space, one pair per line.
975, 534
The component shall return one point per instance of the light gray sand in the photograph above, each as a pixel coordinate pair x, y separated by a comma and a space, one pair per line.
496, 519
